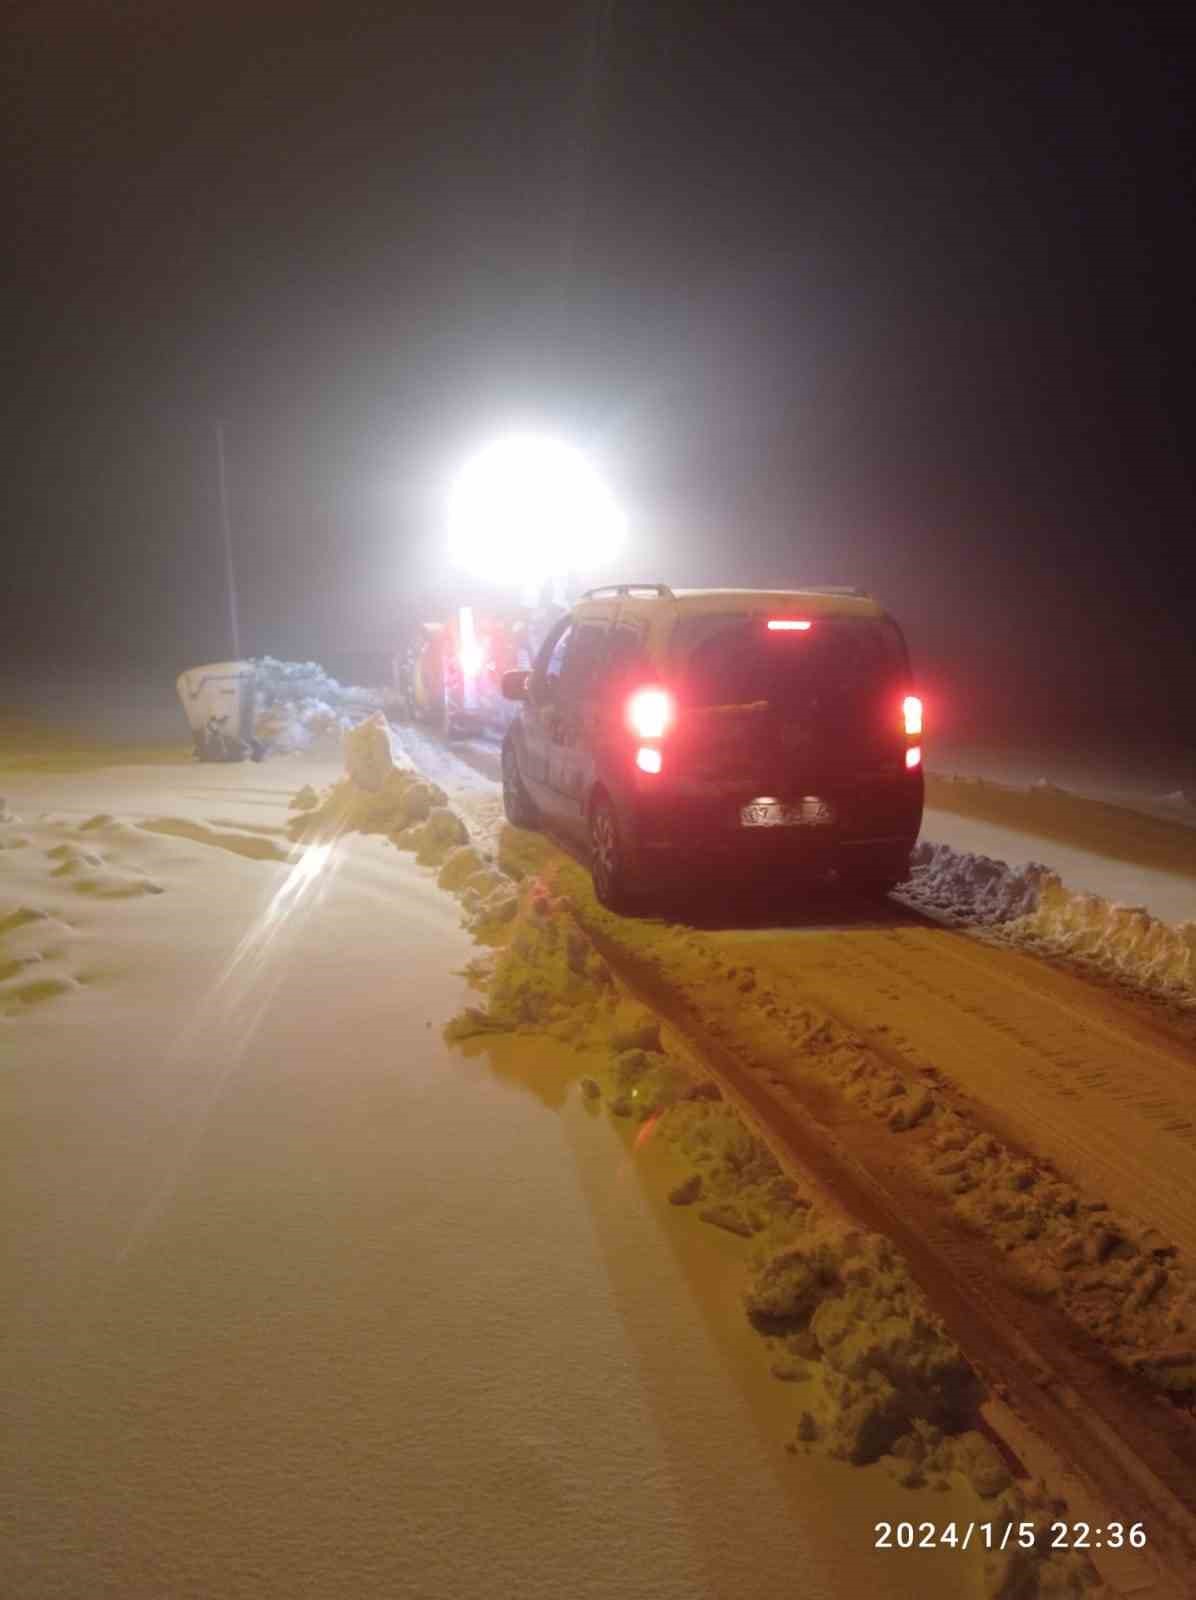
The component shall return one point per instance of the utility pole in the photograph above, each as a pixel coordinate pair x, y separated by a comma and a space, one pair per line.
229, 580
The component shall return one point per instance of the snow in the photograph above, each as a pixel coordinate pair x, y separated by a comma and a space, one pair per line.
1125, 919
300, 1300
1096, 1219
870, 1373
369, 754
1168, 892
298, 703
1030, 906
972, 888
185, 950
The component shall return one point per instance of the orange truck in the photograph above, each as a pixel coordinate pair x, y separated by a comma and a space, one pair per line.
449, 676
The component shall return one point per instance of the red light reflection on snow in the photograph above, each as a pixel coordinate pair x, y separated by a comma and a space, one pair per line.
646, 1131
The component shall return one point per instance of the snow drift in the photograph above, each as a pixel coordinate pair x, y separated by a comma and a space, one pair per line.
1032, 907
297, 702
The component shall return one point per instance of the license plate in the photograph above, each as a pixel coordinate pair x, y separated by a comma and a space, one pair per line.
808, 812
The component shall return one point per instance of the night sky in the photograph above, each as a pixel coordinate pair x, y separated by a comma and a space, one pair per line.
895, 296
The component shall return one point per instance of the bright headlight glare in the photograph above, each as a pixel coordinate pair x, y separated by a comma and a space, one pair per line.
527, 509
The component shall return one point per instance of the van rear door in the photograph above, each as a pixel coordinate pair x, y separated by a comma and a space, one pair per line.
793, 706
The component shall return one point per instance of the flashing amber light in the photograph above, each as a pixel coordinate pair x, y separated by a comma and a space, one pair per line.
784, 625
647, 759
911, 706
650, 713
913, 757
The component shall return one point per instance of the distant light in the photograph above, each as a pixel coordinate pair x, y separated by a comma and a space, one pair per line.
911, 707
648, 759
527, 509
783, 625
469, 650
913, 756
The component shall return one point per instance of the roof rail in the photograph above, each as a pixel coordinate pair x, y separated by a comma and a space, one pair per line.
834, 588
628, 588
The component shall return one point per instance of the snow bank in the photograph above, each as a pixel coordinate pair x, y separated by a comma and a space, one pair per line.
1122, 941
547, 977
297, 702
381, 793
1180, 802
852, 1321
1030, 906
377, 795
969, 888
369, 754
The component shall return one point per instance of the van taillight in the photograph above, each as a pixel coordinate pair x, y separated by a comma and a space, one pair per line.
913, 757
786, 625
650, 713
912, 708
648, 758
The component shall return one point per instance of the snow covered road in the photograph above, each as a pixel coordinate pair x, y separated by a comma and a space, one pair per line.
1028, 1128
1072, 1071
301, 1302
1054, 1065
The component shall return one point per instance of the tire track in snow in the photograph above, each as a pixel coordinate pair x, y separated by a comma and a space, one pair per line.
1016, 1034
1050, 1064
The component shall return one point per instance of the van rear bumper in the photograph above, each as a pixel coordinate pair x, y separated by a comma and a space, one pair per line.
876, 827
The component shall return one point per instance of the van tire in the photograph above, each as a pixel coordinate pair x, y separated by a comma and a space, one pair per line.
609, 866
518, 805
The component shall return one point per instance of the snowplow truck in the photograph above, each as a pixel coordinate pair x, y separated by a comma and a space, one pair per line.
449, 677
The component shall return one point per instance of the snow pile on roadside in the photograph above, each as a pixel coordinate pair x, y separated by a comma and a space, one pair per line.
369, 753
1121, 941
474, 797
1116, 1279
547, 979
297, 702
1179, 800
412, 813
1030, 906
847, 1317
967, 888
381, 793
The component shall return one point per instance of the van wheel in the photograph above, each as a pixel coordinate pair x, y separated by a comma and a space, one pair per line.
519, 806
608, 858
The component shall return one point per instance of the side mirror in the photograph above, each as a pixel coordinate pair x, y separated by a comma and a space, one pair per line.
514, 685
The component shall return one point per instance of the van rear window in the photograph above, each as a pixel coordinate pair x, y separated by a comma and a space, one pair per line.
735, 660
